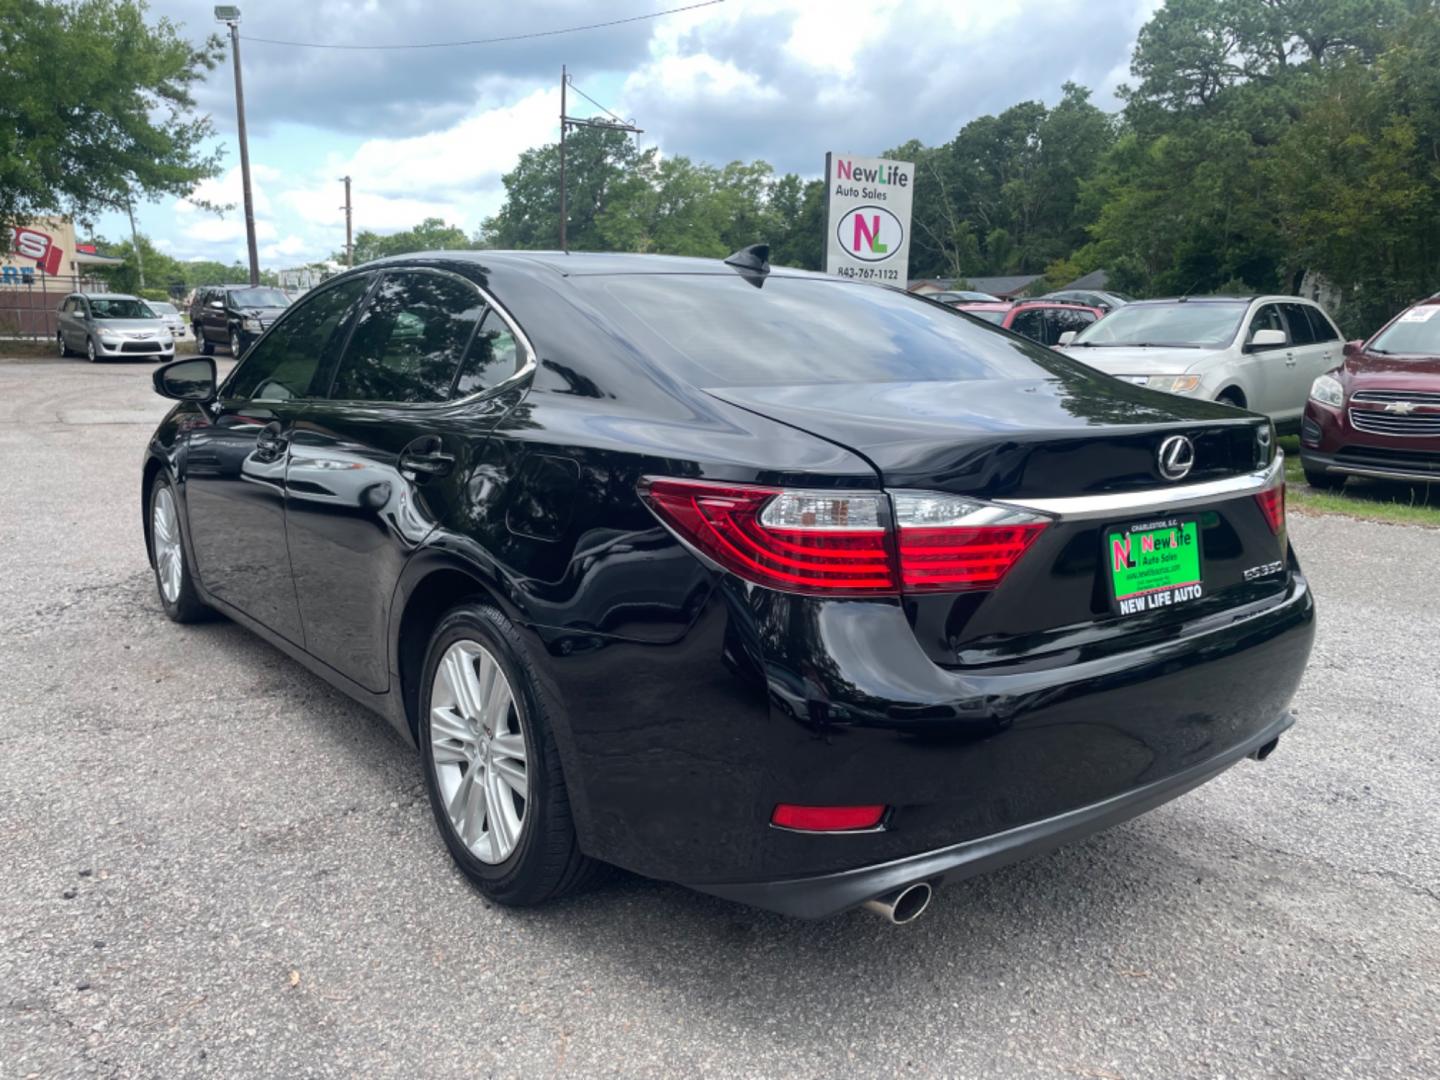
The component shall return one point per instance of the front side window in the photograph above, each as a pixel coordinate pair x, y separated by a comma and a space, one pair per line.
284, 364
1031, 323
408, 343
1064, 320
1267, 318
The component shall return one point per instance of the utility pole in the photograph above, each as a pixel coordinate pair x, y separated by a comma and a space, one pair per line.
564, 79
135, 239
230, 15
567, 122
349, 243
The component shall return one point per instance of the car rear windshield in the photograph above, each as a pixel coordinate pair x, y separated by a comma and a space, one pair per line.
243, 298
1196, 324
115, 308
722, 330
1416, 332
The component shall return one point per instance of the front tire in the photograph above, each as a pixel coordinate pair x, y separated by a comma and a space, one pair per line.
60, 340
90, 349
491, 763
1322, 481
235, 344
173, 579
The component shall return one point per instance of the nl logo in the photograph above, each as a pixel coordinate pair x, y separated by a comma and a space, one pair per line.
870, 233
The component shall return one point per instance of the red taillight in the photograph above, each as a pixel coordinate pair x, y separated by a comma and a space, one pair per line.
1272, 505
840, 543
951, 560
826, 818
817, 543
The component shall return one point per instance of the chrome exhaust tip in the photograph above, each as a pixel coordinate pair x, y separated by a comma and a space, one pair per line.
1260, 753
903, 905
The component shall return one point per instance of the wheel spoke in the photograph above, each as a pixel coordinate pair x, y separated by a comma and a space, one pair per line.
504, 825
509, 746
460, 677
512, 773
445, 724
447, 753
460, 803
497, 702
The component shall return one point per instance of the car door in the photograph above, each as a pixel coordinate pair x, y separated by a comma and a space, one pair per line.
1265, 375
1306, 357
233, 469
388, 454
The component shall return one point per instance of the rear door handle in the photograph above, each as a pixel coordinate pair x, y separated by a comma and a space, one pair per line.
272, 441
426, 457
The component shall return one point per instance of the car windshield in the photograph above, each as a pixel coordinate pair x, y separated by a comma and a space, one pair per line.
247, 298
1415, 332
723, 330
1186, 325
120, 307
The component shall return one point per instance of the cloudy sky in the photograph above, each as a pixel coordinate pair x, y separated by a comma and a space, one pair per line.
428, 132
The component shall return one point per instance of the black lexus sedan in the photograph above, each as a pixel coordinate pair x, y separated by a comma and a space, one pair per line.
794, 590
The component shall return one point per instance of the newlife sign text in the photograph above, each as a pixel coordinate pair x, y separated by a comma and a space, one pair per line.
867, 230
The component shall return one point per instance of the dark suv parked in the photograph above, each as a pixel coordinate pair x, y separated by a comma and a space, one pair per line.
234, 315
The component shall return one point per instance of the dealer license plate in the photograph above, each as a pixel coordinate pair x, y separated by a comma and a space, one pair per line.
1154, 564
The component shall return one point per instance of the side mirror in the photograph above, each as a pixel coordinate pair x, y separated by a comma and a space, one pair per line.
1267, 339
1067, 337
1354, 348
216, 305
191, 379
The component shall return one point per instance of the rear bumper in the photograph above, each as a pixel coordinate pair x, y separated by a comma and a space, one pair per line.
828, 894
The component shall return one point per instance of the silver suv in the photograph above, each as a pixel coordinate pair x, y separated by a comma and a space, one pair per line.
106, 325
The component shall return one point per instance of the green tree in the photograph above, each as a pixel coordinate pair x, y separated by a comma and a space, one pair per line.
96, 108
432, 234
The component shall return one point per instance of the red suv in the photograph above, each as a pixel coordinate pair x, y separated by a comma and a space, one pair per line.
1039, 320
1378, 413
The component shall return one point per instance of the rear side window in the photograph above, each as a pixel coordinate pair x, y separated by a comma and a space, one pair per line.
1301, 332
409, 341
1319, 325
722, 330
493, 357
284, 363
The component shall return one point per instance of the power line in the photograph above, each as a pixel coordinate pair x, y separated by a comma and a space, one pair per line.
488, 41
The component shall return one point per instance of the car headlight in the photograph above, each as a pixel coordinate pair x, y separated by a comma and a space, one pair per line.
1170, 384
253, 324
1327, 391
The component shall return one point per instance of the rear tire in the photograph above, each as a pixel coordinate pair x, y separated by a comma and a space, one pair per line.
469, 743
173, 577
1323, 481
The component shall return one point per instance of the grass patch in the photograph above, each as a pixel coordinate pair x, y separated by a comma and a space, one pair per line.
1375, 500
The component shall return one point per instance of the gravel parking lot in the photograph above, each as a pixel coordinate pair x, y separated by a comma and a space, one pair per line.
218, 865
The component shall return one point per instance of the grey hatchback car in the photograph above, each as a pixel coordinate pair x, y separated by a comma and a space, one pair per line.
102, 326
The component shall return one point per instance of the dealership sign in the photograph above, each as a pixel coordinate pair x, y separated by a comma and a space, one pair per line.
867, 232
34, 244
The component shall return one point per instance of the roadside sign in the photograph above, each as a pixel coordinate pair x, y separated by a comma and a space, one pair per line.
867, 221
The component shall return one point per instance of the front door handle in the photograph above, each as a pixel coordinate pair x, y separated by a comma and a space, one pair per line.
426, 457
1289, 359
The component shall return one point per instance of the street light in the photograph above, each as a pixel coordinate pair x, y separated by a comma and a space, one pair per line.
230, 15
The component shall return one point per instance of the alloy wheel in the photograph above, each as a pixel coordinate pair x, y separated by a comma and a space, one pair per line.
235, 345
477, 743
90, 349
165, 533
60, 341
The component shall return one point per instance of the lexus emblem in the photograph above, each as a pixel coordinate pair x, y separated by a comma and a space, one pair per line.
1176, 457
1403, 408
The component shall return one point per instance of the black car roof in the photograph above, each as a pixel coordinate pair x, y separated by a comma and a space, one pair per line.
577, 263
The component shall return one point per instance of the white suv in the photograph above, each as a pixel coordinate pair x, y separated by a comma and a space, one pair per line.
1259, 353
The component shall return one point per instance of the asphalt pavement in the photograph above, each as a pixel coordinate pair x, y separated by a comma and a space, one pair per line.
213, 864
